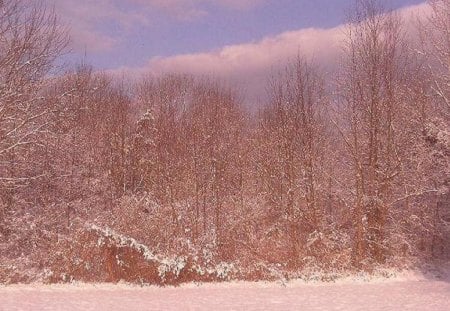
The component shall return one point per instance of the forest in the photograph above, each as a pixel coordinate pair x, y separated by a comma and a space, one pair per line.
170, 179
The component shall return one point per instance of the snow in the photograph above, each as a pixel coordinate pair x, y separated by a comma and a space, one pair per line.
411, 294
175, 264
172, 264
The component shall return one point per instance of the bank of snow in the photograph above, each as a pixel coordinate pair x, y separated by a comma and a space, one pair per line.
407, 291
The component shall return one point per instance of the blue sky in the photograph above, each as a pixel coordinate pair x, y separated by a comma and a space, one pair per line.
240, 42
128, 33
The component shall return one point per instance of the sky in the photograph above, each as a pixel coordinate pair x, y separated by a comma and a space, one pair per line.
239, 40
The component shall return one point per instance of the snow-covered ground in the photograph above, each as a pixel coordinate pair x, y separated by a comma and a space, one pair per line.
397, 294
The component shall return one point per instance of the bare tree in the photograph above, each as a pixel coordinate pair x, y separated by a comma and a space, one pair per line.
435, 33
214, 126
292, 151
373, 73
30, 41
435, 55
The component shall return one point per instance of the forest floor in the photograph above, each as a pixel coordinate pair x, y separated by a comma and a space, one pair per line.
410, 292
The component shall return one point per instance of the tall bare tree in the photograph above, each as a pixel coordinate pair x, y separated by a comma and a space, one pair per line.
293, 132
31, 39
371, 86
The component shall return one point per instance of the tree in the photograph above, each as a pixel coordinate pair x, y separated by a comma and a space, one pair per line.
214, 123
435, 33
434, 53
293, 151
31, 39
376, 129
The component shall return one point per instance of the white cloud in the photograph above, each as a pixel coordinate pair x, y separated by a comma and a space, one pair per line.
85, 16
248, 65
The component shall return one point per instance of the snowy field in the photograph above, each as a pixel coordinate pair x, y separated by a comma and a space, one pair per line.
419, 294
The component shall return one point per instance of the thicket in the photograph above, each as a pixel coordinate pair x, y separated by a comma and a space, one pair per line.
171, 179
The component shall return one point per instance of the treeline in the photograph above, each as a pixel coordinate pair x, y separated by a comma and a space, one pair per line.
332, 173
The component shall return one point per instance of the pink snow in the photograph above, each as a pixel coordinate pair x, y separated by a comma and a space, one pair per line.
352, 296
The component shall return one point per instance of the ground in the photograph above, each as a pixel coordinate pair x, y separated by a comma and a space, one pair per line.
351, 295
